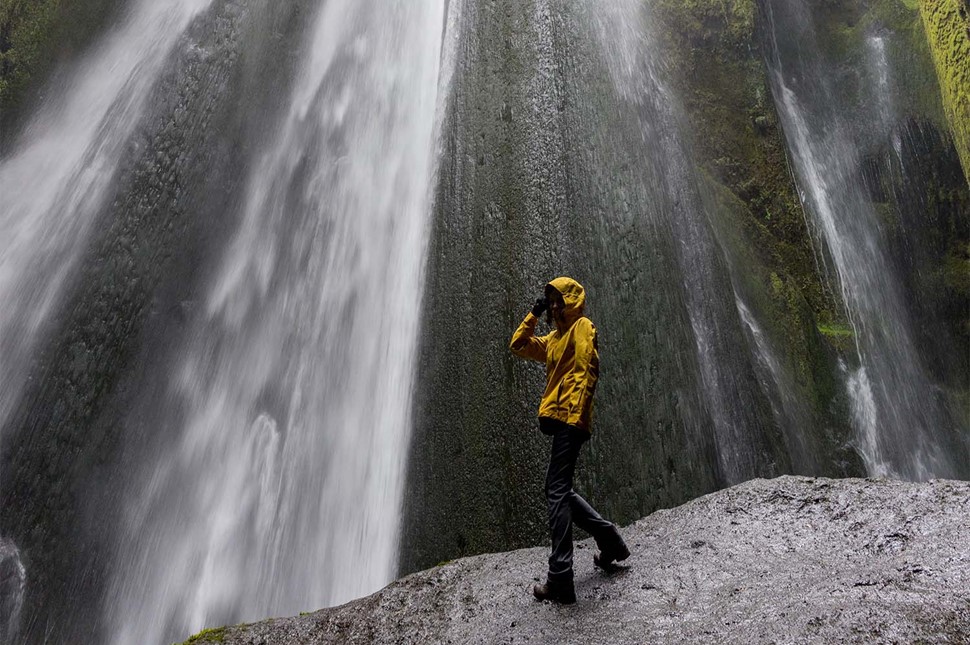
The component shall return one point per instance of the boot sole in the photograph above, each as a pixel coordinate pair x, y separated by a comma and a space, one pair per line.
609, 565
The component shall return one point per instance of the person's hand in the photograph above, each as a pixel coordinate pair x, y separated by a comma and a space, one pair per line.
541, 305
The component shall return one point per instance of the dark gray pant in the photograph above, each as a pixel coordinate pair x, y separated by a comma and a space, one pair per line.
565, 505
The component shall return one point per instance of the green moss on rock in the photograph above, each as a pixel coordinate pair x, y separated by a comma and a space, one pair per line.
836, 330
718, 69
808, 361
25, 31
215, 635
37, 35
723, 25
947, 24
840, 335
957, 271
844, 30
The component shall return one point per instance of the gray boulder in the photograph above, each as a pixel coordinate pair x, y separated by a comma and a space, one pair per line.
787, 560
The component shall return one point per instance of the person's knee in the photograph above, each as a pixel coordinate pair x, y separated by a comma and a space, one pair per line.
558, 487
558, 491
557, 495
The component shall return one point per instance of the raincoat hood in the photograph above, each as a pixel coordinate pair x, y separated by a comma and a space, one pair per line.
573, 295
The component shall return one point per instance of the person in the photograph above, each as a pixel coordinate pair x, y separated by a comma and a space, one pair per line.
571, 358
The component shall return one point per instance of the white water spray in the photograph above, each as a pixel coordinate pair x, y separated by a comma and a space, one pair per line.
58, 174
895, 405
283, 492
789, 408
54, 182
671, 196
13, 585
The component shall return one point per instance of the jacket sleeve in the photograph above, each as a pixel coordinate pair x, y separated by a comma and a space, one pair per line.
585, 369
525, 343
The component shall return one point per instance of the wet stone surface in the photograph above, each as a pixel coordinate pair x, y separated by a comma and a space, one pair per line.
787, 560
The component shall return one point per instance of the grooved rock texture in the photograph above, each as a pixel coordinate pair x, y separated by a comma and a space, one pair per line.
787, 560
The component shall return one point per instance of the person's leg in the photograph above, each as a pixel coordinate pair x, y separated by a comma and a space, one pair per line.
585, 517
607, 536
559, 485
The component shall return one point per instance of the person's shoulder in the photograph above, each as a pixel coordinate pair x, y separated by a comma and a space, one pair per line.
585, 324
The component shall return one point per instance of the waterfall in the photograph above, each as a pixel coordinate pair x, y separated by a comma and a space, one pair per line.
624, 32
248, 244
282, 492
54, 181
58, 173
900, 419
787, 407
266, 475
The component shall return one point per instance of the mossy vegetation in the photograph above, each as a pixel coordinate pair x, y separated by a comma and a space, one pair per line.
215, 635
25, 31
845, 30
840, 335
956, 271
37, 35
715, 25
715, 61
947, 24
713, 51
717, 66
806, 356
836, 330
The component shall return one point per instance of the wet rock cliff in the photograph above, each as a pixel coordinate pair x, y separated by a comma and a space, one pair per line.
556, 162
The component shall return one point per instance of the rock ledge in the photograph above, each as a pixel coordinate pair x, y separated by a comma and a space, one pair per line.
788, 560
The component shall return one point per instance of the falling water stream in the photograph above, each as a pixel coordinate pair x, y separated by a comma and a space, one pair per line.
898, 411
278, 485
59, 171
54, 181
296, 379
13, 579
624, 31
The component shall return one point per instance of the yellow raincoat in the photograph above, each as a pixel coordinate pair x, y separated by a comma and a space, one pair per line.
572, 362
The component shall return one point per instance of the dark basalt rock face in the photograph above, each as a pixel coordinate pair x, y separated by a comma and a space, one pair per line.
792, 559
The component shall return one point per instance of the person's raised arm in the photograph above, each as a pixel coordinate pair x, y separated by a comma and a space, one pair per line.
524, 341
585, 369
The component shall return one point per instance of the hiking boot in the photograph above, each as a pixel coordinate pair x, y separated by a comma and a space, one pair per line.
605, 558
561, 592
